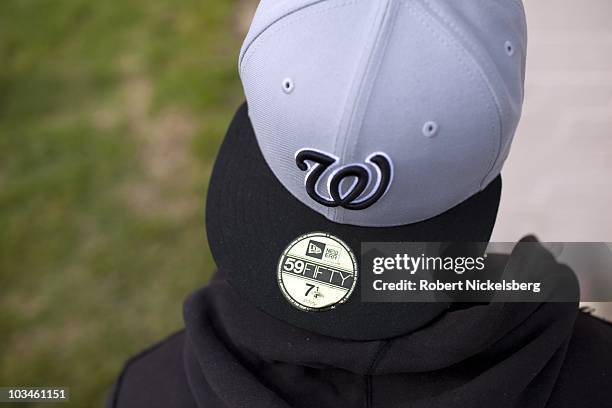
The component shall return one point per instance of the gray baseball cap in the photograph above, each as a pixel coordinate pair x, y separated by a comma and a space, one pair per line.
384, 113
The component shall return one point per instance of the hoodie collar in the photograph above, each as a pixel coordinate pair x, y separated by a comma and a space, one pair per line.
502, 354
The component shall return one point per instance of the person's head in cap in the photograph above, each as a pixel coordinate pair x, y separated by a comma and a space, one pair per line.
370, 121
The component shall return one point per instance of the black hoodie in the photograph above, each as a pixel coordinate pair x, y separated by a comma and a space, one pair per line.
490, 355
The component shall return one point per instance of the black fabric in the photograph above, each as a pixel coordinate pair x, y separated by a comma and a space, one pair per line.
251, 218
496, 355
155, 378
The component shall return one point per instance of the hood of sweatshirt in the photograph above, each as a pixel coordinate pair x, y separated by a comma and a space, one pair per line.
495, 354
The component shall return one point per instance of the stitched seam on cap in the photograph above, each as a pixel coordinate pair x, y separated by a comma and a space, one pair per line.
344, 125
447, 41
264, 29
456, 46
277, 26
265, 35
329, 213
364, 91
493, 71
341, 150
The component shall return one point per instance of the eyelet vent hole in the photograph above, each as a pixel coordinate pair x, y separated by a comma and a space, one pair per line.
430, 129
509, 48
288, 85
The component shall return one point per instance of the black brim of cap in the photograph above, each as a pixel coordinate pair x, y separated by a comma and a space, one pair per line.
251, 218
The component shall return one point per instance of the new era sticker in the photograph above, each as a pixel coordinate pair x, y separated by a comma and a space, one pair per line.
317, 274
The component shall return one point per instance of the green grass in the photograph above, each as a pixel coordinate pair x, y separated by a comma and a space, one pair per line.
110, 117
